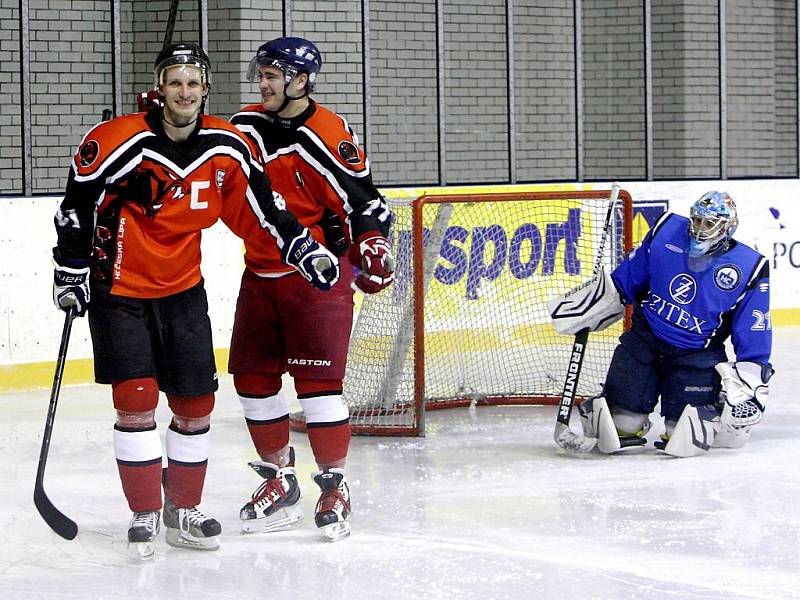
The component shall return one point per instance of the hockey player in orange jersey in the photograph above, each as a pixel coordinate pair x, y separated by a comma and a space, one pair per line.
316, 164
140, 190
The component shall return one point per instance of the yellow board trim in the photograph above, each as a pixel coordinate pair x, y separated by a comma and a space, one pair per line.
37, 376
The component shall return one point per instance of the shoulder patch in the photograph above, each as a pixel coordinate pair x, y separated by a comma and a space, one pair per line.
727, 277
88, 153
349, 152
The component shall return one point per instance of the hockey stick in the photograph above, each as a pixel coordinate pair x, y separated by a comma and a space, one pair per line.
563, 435
58, 521
173, 14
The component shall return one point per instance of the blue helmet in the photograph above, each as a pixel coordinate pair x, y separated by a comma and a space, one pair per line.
712, 223
292, 55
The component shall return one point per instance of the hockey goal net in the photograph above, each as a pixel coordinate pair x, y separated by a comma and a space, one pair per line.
465, 321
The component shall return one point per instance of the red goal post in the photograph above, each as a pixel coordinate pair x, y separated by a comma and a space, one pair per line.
465, 322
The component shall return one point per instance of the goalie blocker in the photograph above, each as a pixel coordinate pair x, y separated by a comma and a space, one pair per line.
593, 305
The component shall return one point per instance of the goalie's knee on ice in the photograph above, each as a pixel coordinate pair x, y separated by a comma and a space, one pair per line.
615, 428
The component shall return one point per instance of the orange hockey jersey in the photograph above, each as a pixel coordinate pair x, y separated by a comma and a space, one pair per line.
136, 202
315, 163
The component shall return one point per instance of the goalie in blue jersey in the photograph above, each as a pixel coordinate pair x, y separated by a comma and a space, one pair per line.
692, 287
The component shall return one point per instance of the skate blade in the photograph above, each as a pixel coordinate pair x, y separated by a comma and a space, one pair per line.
178, 539
142, 550
336, 531
282, 519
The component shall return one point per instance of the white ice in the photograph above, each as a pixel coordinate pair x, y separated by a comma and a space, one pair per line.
483, 507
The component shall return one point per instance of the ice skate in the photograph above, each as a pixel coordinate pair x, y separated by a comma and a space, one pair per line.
190, 528
275, 504
332, 514
142, 533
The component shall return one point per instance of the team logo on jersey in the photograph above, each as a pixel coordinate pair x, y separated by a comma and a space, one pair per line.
727, 277
683, 288
89, 153
220, 177
150, 185
349, 152
674, 248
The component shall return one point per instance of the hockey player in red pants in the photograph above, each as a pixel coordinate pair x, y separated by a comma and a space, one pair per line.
314, 161
141, 189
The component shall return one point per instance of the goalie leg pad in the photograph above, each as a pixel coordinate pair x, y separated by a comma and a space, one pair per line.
694, 433
597, 422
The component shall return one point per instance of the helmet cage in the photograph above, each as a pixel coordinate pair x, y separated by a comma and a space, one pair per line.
712, 223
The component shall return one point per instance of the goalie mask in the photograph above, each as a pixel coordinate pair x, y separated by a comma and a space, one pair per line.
182, 54
712, 223
292, 55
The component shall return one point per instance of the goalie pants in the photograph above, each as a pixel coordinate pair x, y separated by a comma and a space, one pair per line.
644, 368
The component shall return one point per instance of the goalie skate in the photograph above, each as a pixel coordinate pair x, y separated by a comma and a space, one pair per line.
142, 533
332, 514
190, 528
275, 504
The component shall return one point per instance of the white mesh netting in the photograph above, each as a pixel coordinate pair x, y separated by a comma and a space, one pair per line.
490, 264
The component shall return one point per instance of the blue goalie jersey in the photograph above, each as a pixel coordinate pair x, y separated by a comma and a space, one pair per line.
723, 295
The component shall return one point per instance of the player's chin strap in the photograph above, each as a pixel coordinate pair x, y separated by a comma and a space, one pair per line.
192, 122
168, 122
287, 98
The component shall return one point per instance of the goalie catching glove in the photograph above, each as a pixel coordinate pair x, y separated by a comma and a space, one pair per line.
745, 388
593, 305
372, 257
71, 284
313, 261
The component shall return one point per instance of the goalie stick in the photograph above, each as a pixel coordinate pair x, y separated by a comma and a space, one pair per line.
563, 435
58, 521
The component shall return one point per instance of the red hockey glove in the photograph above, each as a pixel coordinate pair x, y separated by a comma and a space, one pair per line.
149, 100
372, 258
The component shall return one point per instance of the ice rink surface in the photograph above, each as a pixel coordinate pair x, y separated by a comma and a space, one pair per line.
483, 507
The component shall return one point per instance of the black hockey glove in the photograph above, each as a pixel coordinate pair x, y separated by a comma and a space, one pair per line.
71, 285
313, 261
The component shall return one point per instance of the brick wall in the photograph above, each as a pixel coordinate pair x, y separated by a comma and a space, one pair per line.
71, 83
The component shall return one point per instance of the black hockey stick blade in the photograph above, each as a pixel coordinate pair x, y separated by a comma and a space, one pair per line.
58, 521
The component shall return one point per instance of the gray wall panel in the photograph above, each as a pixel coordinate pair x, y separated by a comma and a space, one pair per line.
545, 90
10, 100
383, 70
